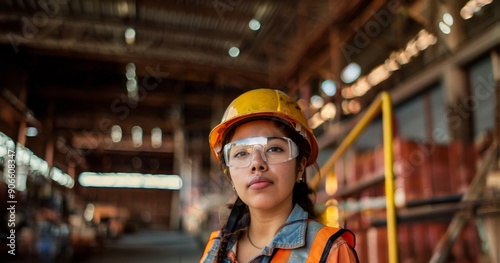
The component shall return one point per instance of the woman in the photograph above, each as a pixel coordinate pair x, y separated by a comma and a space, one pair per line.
264, 145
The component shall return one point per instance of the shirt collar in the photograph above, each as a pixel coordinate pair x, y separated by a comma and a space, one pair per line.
293, 233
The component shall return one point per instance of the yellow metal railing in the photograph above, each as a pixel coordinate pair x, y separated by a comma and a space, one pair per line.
382, 103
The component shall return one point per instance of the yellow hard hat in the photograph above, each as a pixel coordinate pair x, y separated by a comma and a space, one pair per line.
263, 103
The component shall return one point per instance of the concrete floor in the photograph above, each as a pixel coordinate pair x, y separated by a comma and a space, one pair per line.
145, 246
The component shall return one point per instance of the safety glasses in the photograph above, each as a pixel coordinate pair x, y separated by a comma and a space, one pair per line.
273, 150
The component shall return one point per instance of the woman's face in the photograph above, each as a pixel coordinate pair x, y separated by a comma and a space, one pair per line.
261, 185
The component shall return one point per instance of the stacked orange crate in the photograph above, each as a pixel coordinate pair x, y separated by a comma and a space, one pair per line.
462, 161
409, 162
462, 164
440, 178
367, 172
405, 241
426, 171
421, 178
340, 173
399, 168
472, 243
378, 191
350, 168
366, 195
379, 166
382, 245
430, 174
423, 249
377, 245
361, 167
466, 249
420, 158
436, 232
417, 174
456, 161
353, 220
440, 173
402, 170
362, 245
413, 174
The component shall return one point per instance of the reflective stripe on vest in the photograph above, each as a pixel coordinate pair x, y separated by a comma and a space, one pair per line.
317, 247
210, 243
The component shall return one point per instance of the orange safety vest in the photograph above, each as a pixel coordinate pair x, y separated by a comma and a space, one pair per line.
319, 249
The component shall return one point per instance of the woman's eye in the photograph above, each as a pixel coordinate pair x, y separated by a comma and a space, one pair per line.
240, 154
275, 149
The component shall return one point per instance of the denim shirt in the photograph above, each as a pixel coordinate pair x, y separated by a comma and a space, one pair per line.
297, 234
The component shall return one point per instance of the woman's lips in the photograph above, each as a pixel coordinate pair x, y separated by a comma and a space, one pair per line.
259, 183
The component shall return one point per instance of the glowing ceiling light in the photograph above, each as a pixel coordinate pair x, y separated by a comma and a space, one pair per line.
332, 215
130, 67
130, 74
88, 214
329, 87
137, 136
361, 87
412, 48
328, 111
234, 52
317, 101
448, 19
378, 75
131, 85
354, 106
350, 73
130, 36
315, 121
331, 183
116, 133
466, 13
403, 58
38, 166
130, 180
422, 41
61, 178
123, 9
472, 7
156, 137
31, 132
132, 89
347, 93
23, 155
444, 28
254, 24
391, 64
345, 107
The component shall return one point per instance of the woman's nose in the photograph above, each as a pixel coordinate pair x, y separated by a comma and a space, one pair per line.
259, 162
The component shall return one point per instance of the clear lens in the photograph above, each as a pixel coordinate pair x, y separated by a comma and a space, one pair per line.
273, 150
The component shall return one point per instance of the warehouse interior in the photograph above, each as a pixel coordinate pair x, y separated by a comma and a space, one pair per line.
106, 107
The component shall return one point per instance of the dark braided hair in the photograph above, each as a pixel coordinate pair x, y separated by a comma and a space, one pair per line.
239, 219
